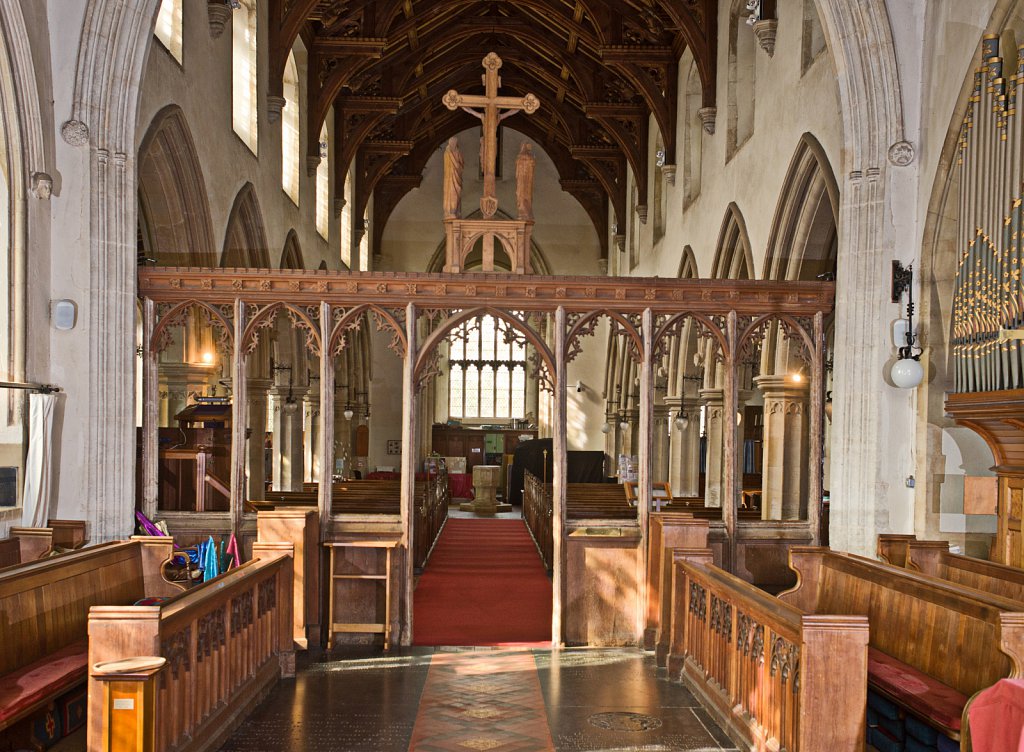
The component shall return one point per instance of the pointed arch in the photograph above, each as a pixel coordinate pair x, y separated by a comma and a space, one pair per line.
693, 135
688, 264
245, 241
172, 193
733, 257
291, 256
804, 235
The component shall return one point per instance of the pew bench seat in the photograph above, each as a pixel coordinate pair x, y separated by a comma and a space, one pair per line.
33, 686
919, 694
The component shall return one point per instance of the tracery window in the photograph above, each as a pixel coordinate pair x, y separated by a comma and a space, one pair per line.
243, 73
290, 132
487, 374
168, 26
323, 183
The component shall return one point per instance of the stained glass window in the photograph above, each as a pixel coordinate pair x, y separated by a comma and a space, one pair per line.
472, 397
487, 391
519, 392
502, 393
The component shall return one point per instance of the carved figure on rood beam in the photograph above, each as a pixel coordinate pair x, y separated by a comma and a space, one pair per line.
453, 164
495, 109
524, 182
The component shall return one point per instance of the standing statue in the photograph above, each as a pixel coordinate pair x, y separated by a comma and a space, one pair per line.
524, 182
453, 164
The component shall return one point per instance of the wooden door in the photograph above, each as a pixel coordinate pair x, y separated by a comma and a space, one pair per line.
1011, 512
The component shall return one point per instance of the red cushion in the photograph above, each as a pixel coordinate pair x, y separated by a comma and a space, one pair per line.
22, 689
915, 691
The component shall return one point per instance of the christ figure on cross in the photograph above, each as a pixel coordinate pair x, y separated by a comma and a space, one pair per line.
495, 109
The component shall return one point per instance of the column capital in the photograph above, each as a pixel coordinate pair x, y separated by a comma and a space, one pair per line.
781, 387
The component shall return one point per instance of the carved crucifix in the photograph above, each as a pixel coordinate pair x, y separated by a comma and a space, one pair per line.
495, 109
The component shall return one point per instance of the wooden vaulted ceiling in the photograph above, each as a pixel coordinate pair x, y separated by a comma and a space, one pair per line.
600, 68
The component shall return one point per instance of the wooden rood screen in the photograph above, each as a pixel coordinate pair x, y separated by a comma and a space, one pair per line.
550, 314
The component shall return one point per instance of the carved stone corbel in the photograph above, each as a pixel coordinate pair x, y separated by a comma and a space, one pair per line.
312, 162
220, 14
707, 119
620, 242
765, 30
42, 185
669, 171
275, 106
339, 204
641, 212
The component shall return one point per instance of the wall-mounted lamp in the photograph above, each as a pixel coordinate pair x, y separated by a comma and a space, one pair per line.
624, 424
606, 427
348, 412
290, 406
907, 371
682, 420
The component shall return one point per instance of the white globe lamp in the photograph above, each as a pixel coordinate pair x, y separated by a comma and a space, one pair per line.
907, 373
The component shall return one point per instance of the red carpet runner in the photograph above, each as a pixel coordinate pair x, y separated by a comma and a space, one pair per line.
484, 585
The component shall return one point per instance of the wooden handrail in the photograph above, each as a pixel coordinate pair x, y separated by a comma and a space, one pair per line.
783, 678
225, 641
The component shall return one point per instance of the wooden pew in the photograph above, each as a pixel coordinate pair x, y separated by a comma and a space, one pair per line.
44, 609
770, 674
935, 559
948, 640
603, 501
227, 642
25, 544
668, 530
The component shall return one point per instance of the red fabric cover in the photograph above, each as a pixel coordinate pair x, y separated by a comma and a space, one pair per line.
997, 718
918, 692
461, 485
47, 677
383, 475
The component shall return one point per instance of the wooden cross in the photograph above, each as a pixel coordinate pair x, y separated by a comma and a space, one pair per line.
495, 109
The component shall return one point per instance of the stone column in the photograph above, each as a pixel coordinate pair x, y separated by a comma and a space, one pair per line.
661, 420
311, 428
785, 448
684, 447
257, 424
713, 400
714, 473
287, 442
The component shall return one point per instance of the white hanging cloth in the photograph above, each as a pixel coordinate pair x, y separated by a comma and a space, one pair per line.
36, 511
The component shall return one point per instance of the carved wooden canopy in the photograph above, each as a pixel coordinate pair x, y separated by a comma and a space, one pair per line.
600, 68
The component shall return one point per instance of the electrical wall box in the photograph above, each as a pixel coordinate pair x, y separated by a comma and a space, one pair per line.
64, 314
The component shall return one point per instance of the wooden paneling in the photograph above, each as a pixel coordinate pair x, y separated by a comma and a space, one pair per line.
918, 619
771, 674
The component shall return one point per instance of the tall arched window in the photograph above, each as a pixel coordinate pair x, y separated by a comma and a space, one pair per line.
346, 223
487, 375
323, 183
243, 73
290, 132
168, 26
693, 136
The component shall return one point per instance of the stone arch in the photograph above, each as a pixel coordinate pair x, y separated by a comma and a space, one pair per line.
802, 243
245, 241
733, 256
291, 256
687, 264
172, 193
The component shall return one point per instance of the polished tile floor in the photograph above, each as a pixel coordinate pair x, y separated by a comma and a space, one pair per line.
440, 700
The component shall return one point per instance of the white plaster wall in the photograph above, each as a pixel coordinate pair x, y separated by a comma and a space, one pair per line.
201, 86
787, 105
563, 231
585, 410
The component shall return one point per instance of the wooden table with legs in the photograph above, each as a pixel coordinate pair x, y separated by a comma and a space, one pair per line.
356, 573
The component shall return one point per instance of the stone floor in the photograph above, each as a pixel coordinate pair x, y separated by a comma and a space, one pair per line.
481, 699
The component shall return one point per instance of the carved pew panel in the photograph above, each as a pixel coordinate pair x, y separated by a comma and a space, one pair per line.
771, 675
226, 642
